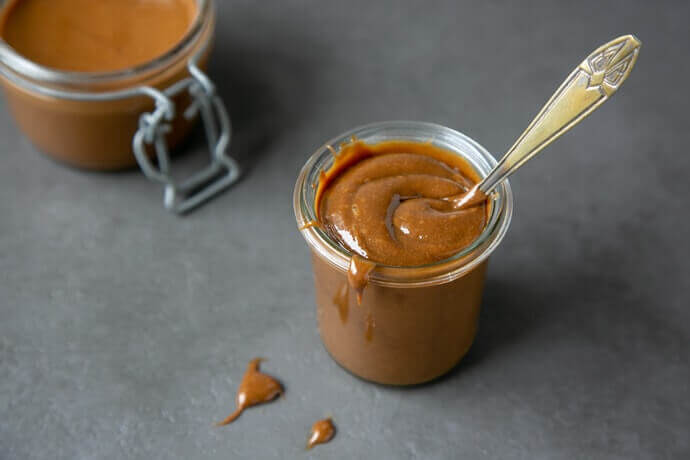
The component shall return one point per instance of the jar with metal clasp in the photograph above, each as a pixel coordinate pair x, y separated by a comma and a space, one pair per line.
116, 119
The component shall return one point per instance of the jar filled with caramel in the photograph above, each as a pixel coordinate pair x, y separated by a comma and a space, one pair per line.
398, 273
107, 84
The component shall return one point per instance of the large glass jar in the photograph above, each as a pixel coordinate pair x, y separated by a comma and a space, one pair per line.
414, 323
112, 120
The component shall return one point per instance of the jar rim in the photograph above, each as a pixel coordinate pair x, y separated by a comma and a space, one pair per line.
443, 271
24, 68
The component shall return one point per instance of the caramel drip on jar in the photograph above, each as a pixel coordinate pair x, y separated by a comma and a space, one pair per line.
255, 388
358, 274
398, 203
358, 278
369, 326
310, 224
342, 301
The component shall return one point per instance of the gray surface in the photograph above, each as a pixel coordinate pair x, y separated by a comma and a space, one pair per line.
124, 330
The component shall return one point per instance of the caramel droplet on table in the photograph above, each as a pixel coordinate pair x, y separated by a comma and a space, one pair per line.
255, 388
321, 432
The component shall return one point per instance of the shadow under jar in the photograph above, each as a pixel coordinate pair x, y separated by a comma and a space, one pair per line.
414, 324
87, 115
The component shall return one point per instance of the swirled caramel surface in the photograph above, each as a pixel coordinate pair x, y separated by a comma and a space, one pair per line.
397, 203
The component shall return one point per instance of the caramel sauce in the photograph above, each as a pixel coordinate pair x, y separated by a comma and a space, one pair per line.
358, 274
369, 326
342, 301
95, 35
471, 198
321, 432
310, 224
398, 203
255, 388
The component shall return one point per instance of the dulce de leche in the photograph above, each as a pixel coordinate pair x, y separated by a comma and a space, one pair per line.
322, 431
88, 36
255, 388
404, 308
391, 202
97, 47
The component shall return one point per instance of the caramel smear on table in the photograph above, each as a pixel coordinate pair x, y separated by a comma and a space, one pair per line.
321, 432
255, 388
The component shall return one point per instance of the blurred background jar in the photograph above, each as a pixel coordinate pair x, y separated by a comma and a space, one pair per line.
104, 85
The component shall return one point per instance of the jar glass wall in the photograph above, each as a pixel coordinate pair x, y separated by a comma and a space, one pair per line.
414, 323
88, 119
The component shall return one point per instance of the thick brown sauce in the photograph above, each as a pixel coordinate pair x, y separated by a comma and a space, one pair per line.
342, 301
95, 35
255, 388
397, 203
358, 274
321, 432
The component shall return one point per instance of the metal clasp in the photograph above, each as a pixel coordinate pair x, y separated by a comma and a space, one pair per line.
222, 171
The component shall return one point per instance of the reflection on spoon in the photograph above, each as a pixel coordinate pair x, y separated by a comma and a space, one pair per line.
472, 197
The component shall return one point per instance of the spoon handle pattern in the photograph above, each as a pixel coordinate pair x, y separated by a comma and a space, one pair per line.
591, 84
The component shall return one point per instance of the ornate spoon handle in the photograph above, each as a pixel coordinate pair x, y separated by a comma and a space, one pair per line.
591, 84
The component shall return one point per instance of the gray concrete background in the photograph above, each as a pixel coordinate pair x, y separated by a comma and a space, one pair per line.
124, 330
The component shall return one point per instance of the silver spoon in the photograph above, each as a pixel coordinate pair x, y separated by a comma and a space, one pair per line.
591, 84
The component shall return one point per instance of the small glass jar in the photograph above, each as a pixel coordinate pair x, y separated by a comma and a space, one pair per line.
414, 323
91, 120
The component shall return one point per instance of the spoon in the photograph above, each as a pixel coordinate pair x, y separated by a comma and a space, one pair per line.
591, 84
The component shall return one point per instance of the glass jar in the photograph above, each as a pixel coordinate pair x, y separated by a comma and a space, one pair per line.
114, 120
414, 323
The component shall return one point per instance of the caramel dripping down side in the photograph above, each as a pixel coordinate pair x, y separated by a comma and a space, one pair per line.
358, 274
448, 168
369, 326
342, 301
358, 278
310, 224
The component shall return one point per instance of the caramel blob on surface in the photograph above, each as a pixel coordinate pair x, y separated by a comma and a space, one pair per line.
255, 388
95, 35
321, 432
397, 203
